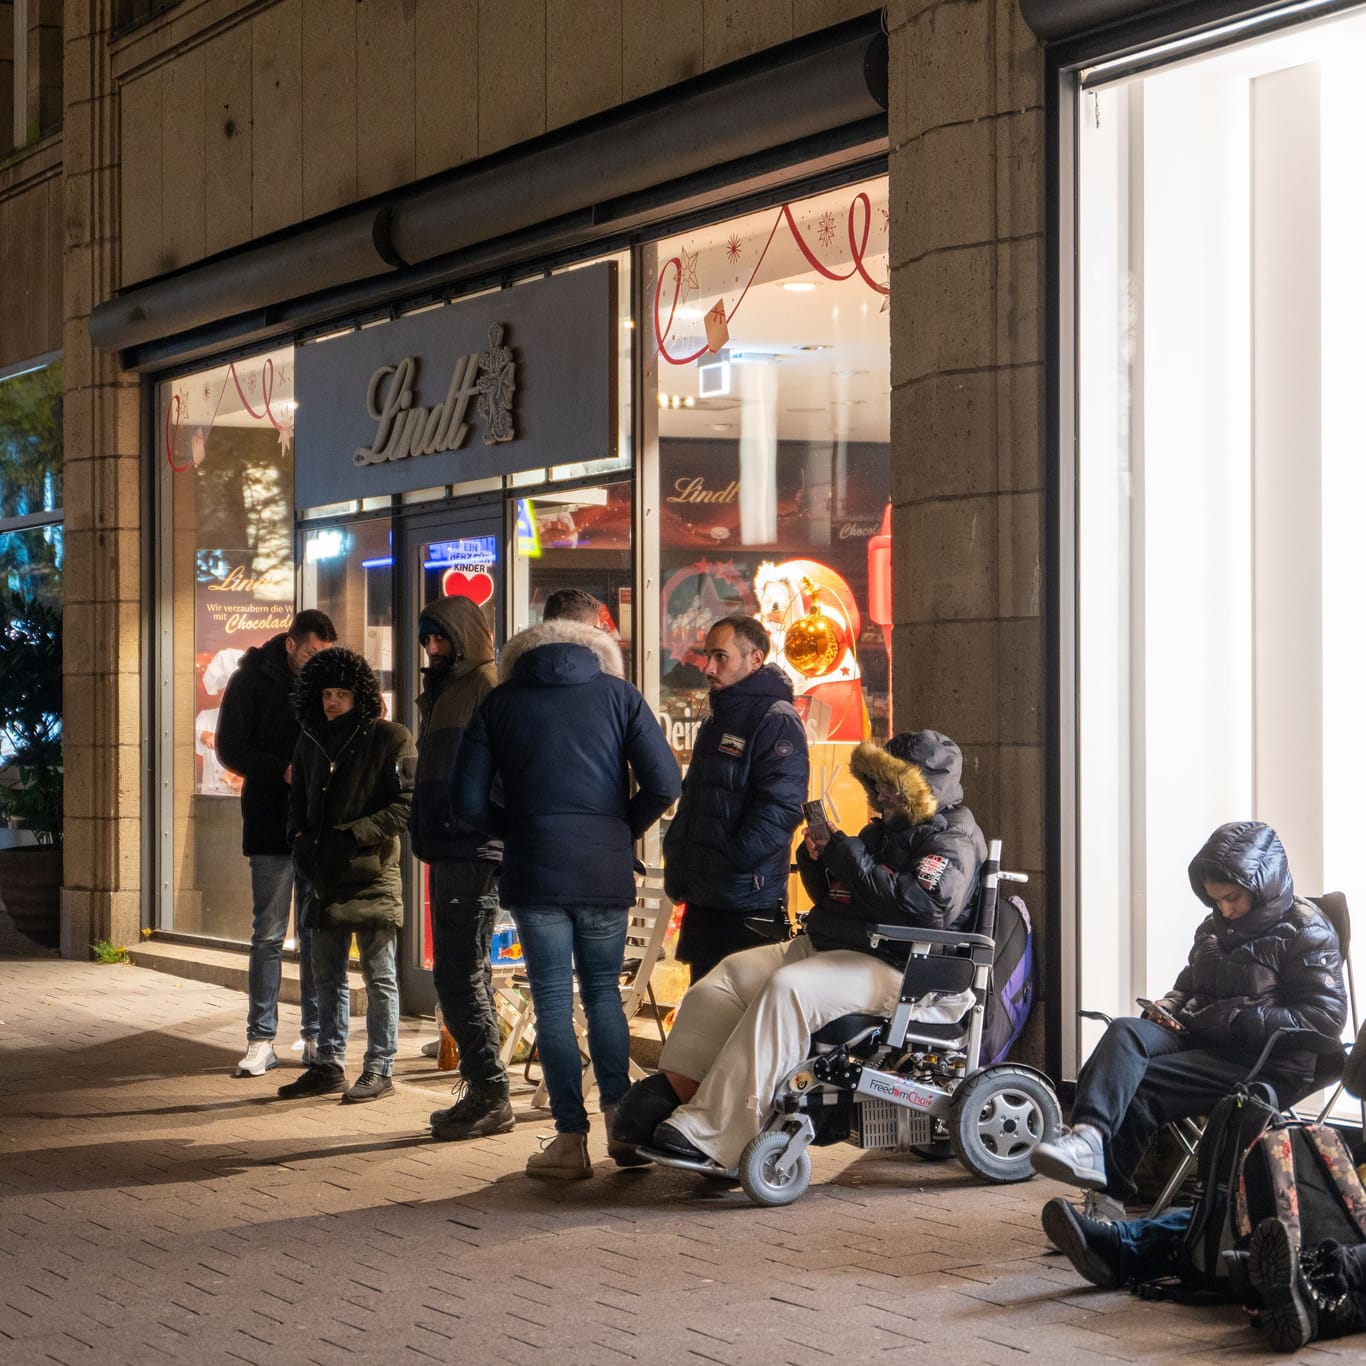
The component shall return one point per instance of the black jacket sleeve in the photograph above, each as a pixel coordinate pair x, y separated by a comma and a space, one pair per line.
655, 769
777, 788
235, 737
472, 784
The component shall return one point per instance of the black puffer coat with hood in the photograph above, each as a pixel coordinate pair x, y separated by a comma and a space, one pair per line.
564, 734
349, 801
730, 845
918, 867
451, 693
1277, 966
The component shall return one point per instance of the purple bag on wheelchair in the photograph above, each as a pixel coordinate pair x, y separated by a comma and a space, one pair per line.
1012, 980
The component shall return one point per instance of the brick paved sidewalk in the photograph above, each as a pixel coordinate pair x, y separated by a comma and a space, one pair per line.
156, 1209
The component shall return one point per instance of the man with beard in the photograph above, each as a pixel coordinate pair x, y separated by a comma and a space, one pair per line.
464, 865
728, 849
257, 731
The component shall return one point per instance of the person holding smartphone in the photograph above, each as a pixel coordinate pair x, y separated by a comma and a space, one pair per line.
1263, 959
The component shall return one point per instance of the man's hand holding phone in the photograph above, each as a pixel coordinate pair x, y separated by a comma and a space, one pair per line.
817, 827
1157, 1012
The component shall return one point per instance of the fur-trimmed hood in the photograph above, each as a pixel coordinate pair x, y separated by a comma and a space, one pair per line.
924, 766
337, 667
561, 631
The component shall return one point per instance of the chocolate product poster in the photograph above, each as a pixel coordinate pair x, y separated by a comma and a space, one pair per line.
233, 612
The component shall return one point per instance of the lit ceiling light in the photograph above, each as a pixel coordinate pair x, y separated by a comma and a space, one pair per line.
798, 286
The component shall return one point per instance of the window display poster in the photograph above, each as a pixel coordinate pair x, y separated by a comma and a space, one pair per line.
233, 612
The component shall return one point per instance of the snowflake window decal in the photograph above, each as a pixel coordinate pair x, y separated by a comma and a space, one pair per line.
733, 249
825, 229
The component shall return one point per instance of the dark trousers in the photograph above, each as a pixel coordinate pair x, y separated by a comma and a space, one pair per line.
1142, 1076
464, 907
710, 934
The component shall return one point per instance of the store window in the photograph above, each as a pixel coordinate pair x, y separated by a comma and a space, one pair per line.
1219, 479
767, 365
227, 581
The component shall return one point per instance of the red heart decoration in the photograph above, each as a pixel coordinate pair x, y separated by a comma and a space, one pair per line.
455, 583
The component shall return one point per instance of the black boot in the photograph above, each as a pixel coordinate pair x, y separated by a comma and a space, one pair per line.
322, 1079
1336, 1277
643, 1108
1285, 1305
1091, 1245
483, 1110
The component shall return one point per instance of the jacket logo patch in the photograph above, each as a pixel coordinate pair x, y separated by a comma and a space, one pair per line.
733, 745
783, 748
929, 872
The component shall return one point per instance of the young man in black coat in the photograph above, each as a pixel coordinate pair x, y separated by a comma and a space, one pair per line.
257, 731
1263, 959
728, 849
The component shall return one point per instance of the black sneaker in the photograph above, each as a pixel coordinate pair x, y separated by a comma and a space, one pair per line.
483, 1110
676, 1143
1286, 1310
643, 1108
1091, 1245
369, 1086
322, 1079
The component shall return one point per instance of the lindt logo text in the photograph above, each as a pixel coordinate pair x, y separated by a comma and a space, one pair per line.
488, 378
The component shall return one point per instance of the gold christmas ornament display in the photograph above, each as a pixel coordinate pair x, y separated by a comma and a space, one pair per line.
812, 643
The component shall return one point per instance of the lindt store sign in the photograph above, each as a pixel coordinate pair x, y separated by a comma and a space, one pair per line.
519, 379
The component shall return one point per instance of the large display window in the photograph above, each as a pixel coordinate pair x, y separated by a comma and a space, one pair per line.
1220, 292
227, 582
767, 356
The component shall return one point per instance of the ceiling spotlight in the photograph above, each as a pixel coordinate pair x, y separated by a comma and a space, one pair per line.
799, 286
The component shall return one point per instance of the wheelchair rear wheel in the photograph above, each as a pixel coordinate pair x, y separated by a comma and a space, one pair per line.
759, 1175
998, 1117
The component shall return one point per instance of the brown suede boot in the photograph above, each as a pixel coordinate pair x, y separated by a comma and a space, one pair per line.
565, 1157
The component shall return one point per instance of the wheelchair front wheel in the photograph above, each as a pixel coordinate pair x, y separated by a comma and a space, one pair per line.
759, 1175
998, 1117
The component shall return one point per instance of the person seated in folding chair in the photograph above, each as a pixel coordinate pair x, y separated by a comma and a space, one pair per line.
1263, 959
748, 1022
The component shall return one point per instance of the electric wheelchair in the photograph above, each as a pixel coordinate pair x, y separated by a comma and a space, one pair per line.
902, 1083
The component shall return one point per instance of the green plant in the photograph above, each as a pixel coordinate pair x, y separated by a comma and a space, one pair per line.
31, 715
106, 951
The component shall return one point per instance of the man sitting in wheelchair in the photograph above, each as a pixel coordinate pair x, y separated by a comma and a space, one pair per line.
747, 1024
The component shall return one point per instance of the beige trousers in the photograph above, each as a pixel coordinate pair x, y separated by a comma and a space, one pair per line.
748, 1023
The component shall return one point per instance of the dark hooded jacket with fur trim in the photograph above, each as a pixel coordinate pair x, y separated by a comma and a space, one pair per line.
350, 797
564, 733
920, 870
1277, 966
729, 848
450, 696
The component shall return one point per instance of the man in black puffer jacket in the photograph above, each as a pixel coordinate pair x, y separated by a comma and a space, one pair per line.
348, 807
565, 733
728, 849
1263, 960
746, 1025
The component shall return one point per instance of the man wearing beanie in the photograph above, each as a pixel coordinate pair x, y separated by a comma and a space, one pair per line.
463, 865
348, 805
747, 1024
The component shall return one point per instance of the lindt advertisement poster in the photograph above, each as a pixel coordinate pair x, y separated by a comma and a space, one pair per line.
233, 612
792, 537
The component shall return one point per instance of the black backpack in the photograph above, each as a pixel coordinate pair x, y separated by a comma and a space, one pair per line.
1235, 1123
1012, 980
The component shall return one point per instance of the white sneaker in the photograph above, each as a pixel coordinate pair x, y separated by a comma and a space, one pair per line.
258, 1059
310, 1052
432, 1049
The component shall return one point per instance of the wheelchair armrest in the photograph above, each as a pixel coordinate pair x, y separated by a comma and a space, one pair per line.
911, 934
1098, 1015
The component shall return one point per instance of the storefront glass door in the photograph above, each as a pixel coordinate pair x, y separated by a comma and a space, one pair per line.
458, 552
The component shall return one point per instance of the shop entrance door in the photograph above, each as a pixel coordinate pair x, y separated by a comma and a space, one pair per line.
458, 551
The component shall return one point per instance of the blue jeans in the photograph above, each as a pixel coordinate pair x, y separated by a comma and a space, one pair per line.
378, 967
592, 941
1148, 1247
272, 881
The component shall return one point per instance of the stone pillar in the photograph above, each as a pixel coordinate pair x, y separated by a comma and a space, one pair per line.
104, 614
967, 188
